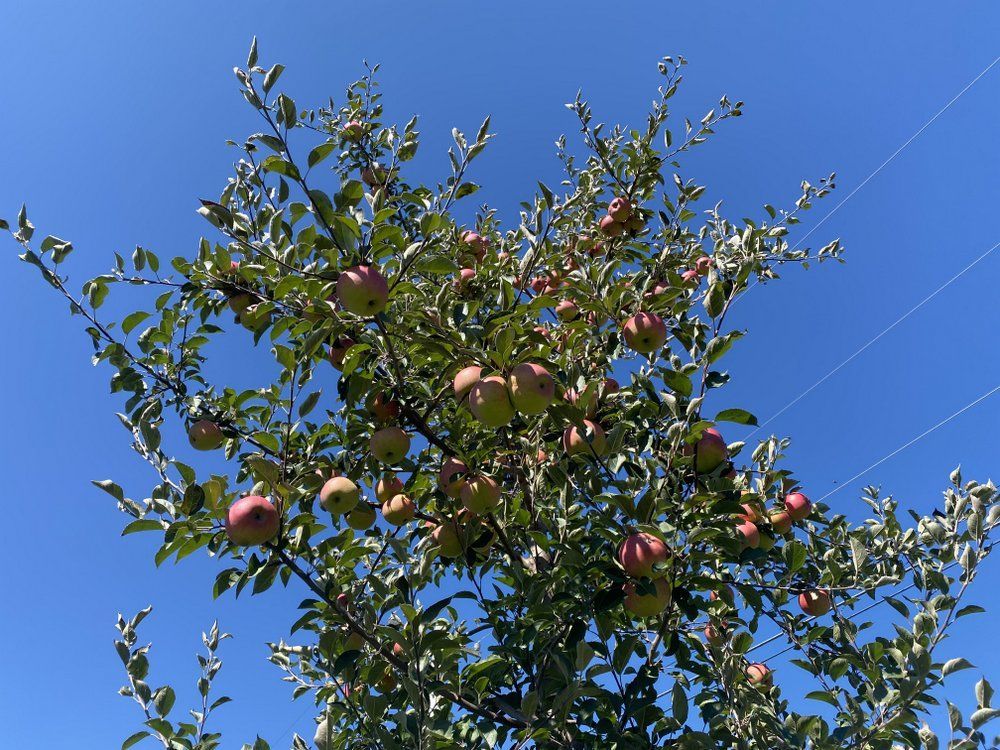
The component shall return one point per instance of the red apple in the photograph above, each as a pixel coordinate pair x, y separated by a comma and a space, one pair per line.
475, 244
567, 311
610, 227
640, 552
749, 535
690, 277
383, 408
252, 520
797, 505
709, 452
447, 536
205, 435
465, 379
464, 278
489, 400
715, 636
388, 487
702, 265
815, 602
398, 510
481, 494
375, 175
362, 290
452, 477
645, 332
760, 675
589, 439
647, 605
353, 131
339, 495
780, 521
338, 352
531, 387
390, 445
620, 209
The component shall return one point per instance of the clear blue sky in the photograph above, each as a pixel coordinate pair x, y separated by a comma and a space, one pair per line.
115, 118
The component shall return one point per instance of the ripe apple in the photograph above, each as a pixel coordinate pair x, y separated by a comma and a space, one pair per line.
620, 209
752, 511
205, 435
362, 290
647, 605
489, 400
362, 517
567, 311
452, 477
690, 277
390, 445
715, 636
383, 408
338, 352
538, 284
481, 494
640, 552
588, 439
815, 602
464, 278
353, 131
759, 675
749, 535
448, 538
780, 521
252, 520
465, 379
339, 495
610, 227
476, 244
531, 388
702, 265
388, 487
709, 452
398, 510
797, 505
645, 332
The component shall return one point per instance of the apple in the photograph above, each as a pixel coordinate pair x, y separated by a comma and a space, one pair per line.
767, 539
354, 642
343, 600
476, 244
749, 535
205, 435
238, 303
538, 284
690, 277
464, 278
541, 456
388, 487
390, 445
645, 332
589, 439
447, 536
362, 517
759, 675
647, 605
375, 175
620, 209
338, 352
398, 510
715, 636
659, 288
339, 495
567, 311
353, 131
252, 520
702, 265
531, 388
726, 596
751, 512
780, 521
481, 494
452, 477
640, 552
465, 379
815, 602
610, 227
797, 505
362, 290
489, 400
709, 452
383, 408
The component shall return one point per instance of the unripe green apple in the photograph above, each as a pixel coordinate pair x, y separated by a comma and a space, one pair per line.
481, 494
390, 445
339, 495
205, 435
447, 536
362, 517
647, 605
532, 388
781, 521
489, 400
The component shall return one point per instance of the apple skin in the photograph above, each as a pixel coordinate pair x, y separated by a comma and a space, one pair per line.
749, 535
388, 487
452, 477
647, 605
715, 636
797, 505
815, 602
781, 521
448, 538
645, 332
398, 510
362, 517
751, 512
640, 552
476, 244
353, 131
465, 379
390, 445
464, 278
611, 228
205, 435
339, 495
575, 439
375, 175
690, 277
567, 311
383, 408
238, 303
702, 265
338, 352
489, 400
362, 290
620, 210
709, 452
531, 388
481, 495
252, 520
760, 675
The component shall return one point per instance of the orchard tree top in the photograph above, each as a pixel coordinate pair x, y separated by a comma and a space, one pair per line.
494, 457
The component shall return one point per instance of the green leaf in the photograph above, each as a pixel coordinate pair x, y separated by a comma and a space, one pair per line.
134, 739
955, 665
736, 416
795, 555
131, 321
163, 700
320, 153
982, 716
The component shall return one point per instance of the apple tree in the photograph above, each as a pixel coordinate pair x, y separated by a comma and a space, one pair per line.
492, 458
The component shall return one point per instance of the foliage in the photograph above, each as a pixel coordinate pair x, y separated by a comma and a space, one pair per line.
519, 637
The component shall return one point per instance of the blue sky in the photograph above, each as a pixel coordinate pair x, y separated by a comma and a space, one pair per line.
115, 123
